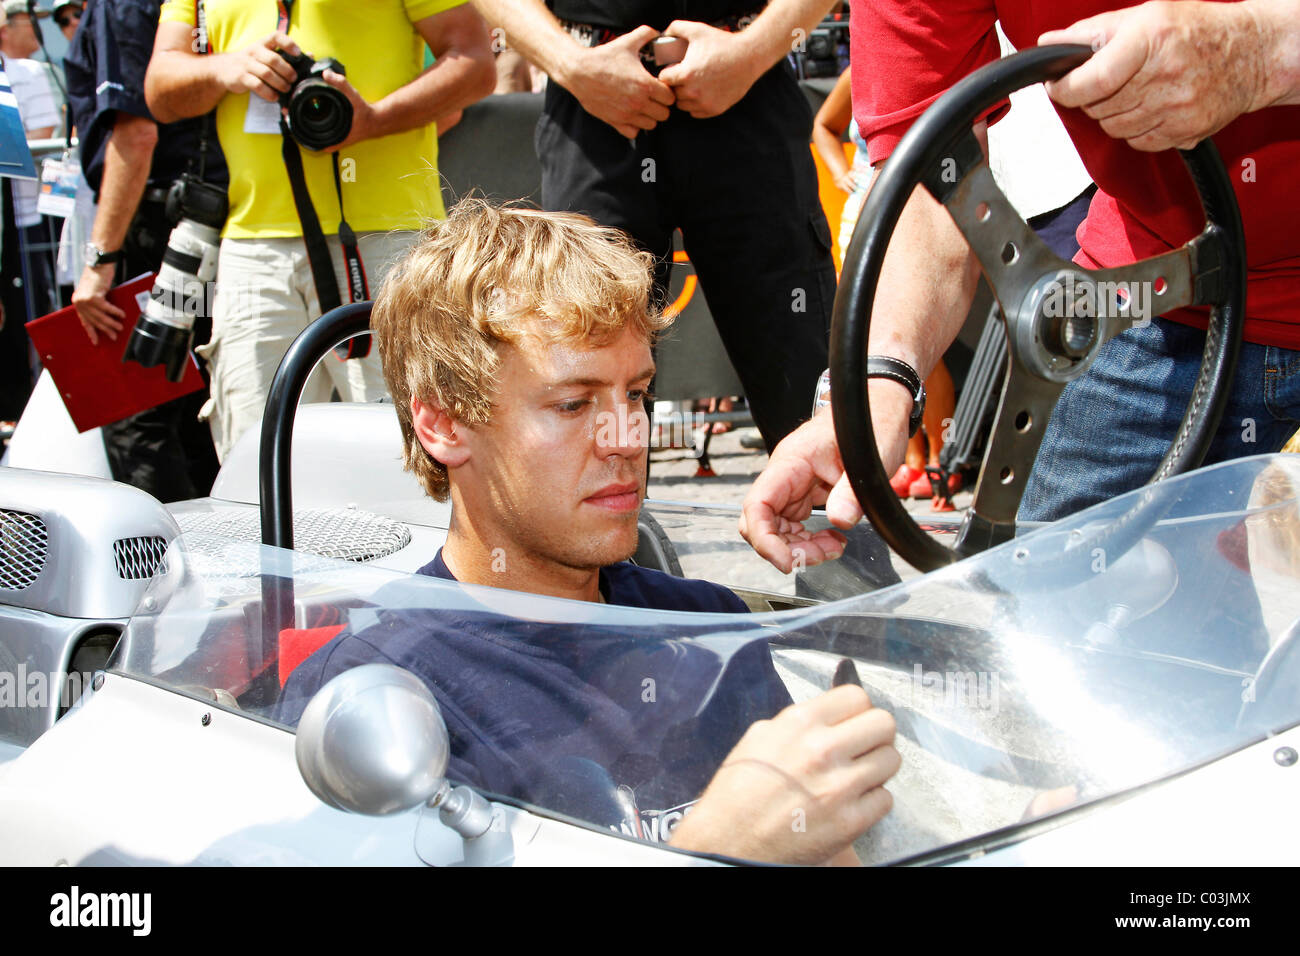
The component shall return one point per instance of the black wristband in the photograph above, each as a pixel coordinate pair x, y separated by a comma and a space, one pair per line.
108, 258
884, 366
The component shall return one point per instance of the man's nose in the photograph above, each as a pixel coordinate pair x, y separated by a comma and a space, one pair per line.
624, 430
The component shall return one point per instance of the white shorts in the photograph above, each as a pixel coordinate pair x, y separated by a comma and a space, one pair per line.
265, 296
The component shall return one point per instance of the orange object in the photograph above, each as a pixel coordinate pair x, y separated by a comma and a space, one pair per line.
832, 199
688, 288
903, 479
96, 385
942, 504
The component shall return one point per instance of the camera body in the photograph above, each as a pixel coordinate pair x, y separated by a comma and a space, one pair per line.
191, 198
318, 115
826, 52
182, 290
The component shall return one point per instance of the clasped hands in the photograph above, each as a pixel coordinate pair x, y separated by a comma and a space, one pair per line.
612, 83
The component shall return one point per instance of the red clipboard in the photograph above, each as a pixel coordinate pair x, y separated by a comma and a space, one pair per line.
96, 385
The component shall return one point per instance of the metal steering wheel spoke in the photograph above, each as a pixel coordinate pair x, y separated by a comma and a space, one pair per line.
1017, 432
1009, 252
1131, 296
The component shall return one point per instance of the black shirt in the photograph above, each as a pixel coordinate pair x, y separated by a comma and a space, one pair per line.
626, 15
105, 67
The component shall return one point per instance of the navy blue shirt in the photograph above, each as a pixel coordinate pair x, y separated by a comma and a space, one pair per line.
583, 719
105, 66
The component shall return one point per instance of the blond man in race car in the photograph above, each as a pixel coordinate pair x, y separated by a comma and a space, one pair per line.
516, 345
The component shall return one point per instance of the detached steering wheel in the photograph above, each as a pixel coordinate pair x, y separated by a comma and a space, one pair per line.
1058, 315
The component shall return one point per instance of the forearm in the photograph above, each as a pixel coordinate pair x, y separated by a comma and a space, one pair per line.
832, 119
127, 158
534, 31
713, 832
1278, 23
455, 81
926, 286
772, 36
180, 85
927, 282
830, 149
462, 73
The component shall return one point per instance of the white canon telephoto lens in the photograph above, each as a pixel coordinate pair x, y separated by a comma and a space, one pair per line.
182, 292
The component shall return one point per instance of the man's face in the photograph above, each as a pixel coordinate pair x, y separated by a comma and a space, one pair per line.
67, 19
20, 36
558, 473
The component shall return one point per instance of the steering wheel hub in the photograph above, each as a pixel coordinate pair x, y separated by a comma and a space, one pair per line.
1058, 328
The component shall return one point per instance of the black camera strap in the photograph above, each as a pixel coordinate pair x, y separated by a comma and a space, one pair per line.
357, 285
208, 122
318, 253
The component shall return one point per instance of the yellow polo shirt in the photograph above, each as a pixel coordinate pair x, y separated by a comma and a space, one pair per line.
388, 183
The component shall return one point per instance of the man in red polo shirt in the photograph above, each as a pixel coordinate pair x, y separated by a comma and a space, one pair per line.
1165, 75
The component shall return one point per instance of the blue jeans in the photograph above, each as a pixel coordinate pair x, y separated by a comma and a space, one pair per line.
1114, 424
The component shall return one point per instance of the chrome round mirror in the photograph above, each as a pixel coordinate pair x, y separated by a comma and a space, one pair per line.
373, 741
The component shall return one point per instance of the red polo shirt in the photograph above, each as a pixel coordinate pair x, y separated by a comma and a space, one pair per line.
905, 54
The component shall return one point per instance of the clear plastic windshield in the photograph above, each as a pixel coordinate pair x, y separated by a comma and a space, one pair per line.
1139, 639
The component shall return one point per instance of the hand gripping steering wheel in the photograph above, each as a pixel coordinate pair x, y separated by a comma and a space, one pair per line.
1058, 315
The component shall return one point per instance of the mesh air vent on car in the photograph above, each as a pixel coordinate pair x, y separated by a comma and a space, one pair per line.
347, 533
24, 548
138, 558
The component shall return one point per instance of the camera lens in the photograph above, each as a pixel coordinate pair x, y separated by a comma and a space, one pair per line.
319, 115
181, 293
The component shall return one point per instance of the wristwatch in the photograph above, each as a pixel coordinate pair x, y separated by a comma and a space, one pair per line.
96, 256
882, 366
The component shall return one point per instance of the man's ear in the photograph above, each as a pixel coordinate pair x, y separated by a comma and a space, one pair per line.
437, 432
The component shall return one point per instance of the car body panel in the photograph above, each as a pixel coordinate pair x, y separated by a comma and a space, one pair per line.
135, 775
1229, 812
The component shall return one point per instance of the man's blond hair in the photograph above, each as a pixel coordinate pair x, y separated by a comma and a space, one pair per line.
486, 277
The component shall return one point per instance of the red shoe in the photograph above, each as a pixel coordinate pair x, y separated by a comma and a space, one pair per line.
904, 478
921, 487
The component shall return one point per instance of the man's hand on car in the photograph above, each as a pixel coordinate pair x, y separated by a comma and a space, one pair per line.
801, 787
805, 471
613, 85
1170, 74
260, 69
90, 299
717, 71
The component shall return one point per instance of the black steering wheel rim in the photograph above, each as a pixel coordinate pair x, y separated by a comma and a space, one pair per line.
1219, 281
